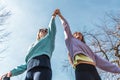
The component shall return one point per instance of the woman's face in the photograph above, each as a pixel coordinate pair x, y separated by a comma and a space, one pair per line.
78, 35
42, 33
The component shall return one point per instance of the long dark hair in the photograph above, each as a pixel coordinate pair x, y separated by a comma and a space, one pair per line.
83, 40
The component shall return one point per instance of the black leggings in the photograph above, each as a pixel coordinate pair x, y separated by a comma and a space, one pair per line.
86, 72
39, 73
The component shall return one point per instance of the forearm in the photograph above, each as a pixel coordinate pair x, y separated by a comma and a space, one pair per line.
106, 65
52, 27
60, 16
66, 27
18, 70
63, 20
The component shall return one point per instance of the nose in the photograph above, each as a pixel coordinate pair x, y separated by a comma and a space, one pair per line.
77, 36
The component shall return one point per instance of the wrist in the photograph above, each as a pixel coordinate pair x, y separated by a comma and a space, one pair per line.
60, 16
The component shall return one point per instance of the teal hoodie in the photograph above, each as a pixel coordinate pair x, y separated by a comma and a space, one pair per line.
44, 46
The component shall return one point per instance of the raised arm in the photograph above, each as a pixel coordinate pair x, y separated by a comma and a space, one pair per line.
65, 24
52, 25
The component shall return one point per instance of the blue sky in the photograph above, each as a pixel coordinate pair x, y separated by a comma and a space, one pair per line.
30, 15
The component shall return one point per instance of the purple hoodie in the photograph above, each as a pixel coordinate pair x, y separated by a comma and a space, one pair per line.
76, 46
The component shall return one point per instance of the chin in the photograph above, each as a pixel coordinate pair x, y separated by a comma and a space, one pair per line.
79, 39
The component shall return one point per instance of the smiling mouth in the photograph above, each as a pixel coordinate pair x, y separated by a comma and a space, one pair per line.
77, 37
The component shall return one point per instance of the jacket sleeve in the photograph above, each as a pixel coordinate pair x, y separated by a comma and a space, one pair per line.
67, 31
19, 70
52, 28
106, 65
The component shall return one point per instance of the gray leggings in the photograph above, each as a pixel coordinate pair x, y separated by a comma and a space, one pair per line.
39, 73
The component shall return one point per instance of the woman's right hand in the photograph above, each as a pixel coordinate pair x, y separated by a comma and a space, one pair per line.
1, 77
56, 12
9, 74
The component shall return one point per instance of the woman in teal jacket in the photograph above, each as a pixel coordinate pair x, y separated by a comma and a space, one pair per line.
37, 62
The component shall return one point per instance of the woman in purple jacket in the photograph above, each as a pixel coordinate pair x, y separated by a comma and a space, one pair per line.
82, 57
